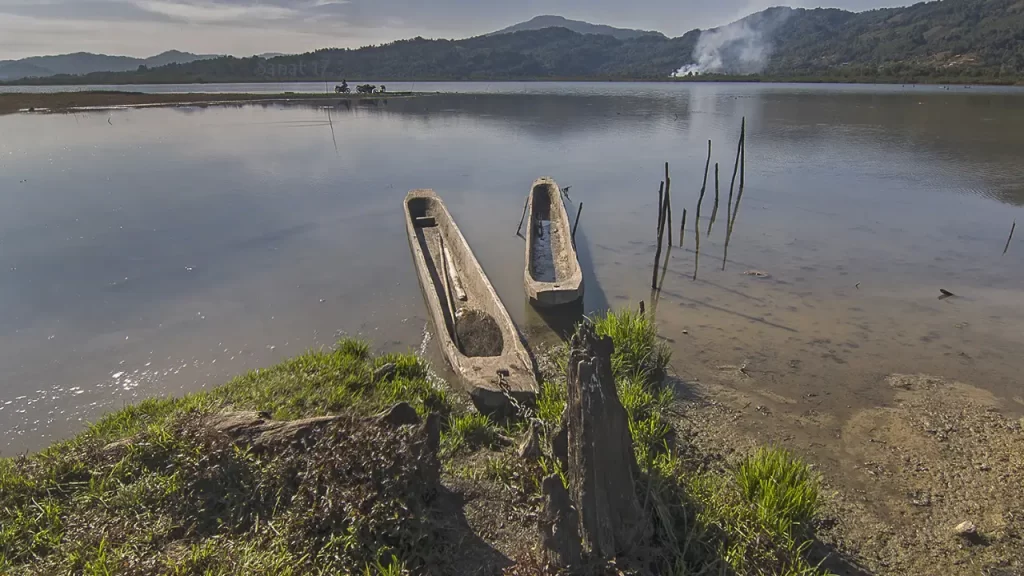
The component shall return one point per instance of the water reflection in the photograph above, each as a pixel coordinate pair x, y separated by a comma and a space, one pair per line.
177, 247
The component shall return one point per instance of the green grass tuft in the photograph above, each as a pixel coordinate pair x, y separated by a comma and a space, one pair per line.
551, 402
781, 488
638, 353
468, 431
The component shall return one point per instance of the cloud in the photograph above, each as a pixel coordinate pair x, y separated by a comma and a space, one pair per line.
243, 27
207, 13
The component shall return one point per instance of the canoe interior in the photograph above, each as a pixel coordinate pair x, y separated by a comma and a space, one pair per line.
551, 252
462, 288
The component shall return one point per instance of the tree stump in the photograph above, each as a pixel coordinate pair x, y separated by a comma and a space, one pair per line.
559, 526
602, 468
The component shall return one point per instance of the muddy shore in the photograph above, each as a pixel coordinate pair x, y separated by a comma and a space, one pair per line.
12, 102
905, 480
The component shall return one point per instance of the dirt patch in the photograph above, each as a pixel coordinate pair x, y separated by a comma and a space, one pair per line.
478, 333
903, 477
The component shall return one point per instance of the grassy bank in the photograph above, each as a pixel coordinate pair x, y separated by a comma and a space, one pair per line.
11, 102
161, 488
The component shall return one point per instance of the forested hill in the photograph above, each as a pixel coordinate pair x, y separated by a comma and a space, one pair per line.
541, 22
973, 38
951, 40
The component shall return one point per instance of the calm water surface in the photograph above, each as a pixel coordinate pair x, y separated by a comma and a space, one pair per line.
159, 251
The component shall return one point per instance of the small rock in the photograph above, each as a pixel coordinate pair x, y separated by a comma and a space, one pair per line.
401, 414
385, 372
966, 529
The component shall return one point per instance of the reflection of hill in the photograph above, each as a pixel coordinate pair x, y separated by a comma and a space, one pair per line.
972, 134
542, 116
969, 134
975, 135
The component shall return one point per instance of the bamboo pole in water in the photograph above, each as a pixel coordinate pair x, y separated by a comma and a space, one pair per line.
661, 205
1012, 228
523, 219
714, 213
731, 213
682, 229
743, 169
579, 212
696, 222
661, 231
668, 204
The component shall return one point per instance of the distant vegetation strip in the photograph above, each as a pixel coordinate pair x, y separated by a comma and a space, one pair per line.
966, 41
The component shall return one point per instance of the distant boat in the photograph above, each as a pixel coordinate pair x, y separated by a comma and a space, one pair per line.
475, 332
553, 275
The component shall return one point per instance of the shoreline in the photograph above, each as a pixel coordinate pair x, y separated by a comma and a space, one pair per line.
708, 78
41, 102
937, 459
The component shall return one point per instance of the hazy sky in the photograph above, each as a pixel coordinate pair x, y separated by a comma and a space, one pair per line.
245, 27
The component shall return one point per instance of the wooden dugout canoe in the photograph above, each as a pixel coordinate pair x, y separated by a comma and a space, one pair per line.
455, 288
553, 275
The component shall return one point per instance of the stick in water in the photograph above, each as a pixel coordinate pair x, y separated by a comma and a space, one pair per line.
714, 213
661, 205
523, 219
696, 222
682, 229
661, 230
1012, 228
743, 162
730, 215
668, 203
577, 224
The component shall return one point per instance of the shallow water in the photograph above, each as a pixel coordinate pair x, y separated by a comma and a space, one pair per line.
157, 251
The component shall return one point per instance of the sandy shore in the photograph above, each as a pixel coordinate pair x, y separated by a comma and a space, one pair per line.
62, 101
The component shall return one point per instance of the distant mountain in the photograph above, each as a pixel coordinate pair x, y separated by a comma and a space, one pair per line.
967, 41
14, 69
87, 63
577, 26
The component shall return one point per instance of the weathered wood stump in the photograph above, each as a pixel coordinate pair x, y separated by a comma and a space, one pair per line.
598, 454
559, 526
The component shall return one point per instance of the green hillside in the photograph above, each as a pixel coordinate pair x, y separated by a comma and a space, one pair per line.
947, 41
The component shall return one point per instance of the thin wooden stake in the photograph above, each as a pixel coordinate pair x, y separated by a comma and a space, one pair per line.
577, 224
661, 232
682, 230
696, 222
519, 230
743, 161
731, 212
668, 203
714, 213
1012, 228
661, 205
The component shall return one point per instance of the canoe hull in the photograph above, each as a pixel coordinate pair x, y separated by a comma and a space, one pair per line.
452, 282
553, 276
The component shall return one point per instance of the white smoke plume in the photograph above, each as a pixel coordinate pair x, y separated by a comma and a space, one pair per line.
739, 48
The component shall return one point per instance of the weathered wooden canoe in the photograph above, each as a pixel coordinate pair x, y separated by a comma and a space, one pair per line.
553, 275
474, 330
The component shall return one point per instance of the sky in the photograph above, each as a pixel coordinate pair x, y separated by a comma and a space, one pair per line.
144, 28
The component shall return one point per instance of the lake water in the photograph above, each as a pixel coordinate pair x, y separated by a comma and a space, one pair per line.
147, 252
